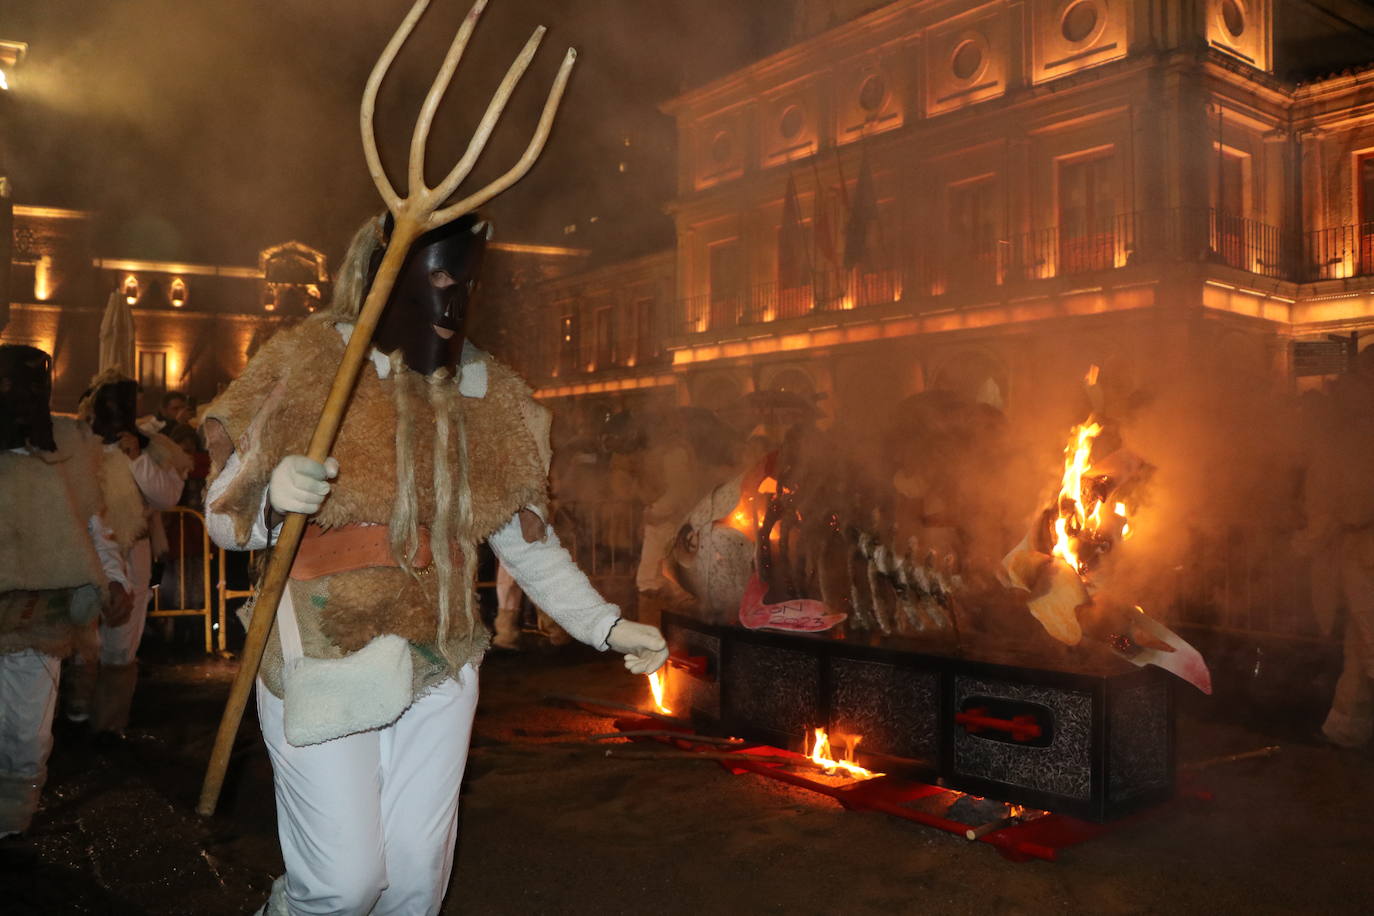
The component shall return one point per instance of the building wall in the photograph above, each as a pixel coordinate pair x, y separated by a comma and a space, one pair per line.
1057, 183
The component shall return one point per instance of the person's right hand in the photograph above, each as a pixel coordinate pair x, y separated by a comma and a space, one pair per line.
117, 610
128, 444
298, 484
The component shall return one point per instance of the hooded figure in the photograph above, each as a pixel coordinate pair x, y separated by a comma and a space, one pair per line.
368, 686
139, 475
59, 568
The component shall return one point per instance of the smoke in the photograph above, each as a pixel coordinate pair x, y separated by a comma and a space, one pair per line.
209, 131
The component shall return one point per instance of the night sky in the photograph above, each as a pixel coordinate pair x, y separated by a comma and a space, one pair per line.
209, 130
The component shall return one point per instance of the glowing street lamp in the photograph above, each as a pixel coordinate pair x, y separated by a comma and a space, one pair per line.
11, 53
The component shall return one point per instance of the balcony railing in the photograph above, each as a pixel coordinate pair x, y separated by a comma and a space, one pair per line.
941, 265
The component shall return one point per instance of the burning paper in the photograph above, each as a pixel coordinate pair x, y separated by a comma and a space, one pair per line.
1060, 561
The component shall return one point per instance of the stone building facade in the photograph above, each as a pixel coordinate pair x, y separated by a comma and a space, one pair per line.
992, 197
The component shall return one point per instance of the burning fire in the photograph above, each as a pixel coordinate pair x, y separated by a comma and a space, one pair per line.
1075, 519
820, 755
656, 687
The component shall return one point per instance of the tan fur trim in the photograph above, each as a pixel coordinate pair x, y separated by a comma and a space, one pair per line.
167, 454
125, 511
44, 539
271, 411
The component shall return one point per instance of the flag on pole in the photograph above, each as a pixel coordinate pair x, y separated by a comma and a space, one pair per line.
792, 248
820, 226
863, 217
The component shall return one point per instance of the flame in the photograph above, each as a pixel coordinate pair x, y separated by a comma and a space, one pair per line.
656, 687
1074, 517
820, 756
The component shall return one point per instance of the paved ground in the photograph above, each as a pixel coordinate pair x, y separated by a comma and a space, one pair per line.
550, 825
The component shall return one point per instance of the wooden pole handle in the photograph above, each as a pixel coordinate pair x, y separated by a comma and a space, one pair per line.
284, 553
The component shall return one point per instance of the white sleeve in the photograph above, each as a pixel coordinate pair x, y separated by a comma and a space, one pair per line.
161, 487
111, 557
551, 579
221, 526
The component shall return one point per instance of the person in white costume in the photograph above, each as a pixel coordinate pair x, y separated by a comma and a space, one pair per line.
368, 687
57, 560
140, 474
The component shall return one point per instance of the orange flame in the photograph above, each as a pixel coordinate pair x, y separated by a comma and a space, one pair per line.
1073, 516
656, 687
820, 756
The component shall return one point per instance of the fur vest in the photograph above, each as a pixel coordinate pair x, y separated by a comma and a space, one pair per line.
46, 501
270, 412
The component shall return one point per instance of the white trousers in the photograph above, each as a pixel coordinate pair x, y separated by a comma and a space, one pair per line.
1351, 719
28, 695
368, 822
119, 645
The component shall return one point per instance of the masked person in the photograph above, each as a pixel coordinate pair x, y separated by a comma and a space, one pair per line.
59, 569
139, 475
1340, 520
368, 685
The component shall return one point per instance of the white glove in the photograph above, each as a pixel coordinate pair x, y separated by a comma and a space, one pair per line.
643, 645
298, 484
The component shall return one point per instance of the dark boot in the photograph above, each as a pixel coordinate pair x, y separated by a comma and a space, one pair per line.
114, 694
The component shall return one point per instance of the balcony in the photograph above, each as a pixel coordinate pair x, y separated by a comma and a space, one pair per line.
941, 270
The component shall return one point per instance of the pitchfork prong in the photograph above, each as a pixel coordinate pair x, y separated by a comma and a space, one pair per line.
536, 146
368, 110
495, 109
419, 140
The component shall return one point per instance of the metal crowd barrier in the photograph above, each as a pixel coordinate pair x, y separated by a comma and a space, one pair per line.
190, 534
603, 537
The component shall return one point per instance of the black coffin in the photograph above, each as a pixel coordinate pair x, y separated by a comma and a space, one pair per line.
1094, 743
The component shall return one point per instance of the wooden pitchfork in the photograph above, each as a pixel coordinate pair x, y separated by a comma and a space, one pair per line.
416, 214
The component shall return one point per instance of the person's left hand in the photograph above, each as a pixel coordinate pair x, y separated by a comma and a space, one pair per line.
642, 645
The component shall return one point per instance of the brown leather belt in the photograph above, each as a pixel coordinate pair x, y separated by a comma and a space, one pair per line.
349, 547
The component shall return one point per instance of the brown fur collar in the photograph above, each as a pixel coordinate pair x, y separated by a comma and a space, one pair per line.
270, 412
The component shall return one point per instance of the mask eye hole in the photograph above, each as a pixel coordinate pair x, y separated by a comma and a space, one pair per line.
441, 279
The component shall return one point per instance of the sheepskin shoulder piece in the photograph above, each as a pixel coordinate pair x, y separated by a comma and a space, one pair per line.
271, 410
46, 501
126, 514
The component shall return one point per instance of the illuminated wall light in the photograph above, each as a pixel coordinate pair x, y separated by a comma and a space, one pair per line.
130, 289
178, 293
43, 279
4, 81
174, 364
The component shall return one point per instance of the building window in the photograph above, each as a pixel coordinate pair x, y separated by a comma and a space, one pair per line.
568, 344
152, 370
646, 346
1233, 17
130, 289
872, 94
727, 283
792, 122
179, 293
972, 233
605, 338
967, 60
1088, 225
1080, 21
1234, 236
1364, 177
